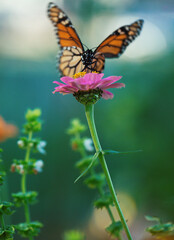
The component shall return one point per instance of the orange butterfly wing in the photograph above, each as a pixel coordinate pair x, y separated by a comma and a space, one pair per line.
114, 45
98, 62
69, 41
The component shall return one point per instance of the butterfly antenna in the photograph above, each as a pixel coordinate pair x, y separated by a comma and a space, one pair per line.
85, 45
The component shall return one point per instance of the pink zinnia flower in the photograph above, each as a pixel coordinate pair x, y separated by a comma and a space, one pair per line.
91, 83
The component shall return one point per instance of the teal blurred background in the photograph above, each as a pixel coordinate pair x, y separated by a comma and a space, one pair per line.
141, 116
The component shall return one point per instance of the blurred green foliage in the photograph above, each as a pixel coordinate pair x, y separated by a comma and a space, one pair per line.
160, 229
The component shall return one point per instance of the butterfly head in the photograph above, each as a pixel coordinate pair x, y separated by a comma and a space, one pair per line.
87, 57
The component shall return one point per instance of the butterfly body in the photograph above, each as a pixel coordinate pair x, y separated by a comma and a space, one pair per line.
73, 58
87, 57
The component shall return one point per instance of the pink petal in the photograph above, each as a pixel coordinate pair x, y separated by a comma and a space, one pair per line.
78, 85
66, 79
114, 85
107, 94
61, 92
59, 83
92, 77
65, 89
68, 88
113, 78
81, 84
107, 81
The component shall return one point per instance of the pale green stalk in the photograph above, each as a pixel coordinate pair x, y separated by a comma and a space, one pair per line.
89, 110
23, 184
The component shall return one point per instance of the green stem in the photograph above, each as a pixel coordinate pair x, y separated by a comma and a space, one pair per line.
23, 184
2, 221
89, 110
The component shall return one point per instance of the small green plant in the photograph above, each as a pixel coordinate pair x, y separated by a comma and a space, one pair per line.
28, 166
87, 166
6, 231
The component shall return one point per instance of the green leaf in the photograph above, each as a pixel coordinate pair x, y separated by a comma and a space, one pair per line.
115, 228
104, 201
7, 233
76, 127
21, 166
95, 180
105, 152
32, 115
90, 165
20, 198
5, 208
29, 229
153, 219
34, 126
84, 163
161, 229
33, 122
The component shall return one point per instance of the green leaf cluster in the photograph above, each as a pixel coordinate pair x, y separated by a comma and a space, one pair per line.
115, 228
27, 167
76, 127
24, 143
7, 233
33, 122
160, 229
95, 180
21, 198
5, 208
103, 201
29, 229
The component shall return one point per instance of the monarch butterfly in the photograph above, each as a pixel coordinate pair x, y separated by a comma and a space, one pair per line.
73, 58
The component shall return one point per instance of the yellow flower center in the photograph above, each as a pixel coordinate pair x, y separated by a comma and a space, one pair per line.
81, 74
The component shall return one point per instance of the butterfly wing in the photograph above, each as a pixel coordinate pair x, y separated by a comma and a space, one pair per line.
115, 44
98, 62
70, 61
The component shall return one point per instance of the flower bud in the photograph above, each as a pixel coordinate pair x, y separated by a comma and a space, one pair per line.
39, 165
30, 144
40, 147
20, 168
88, 144
20, 143
13, 167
